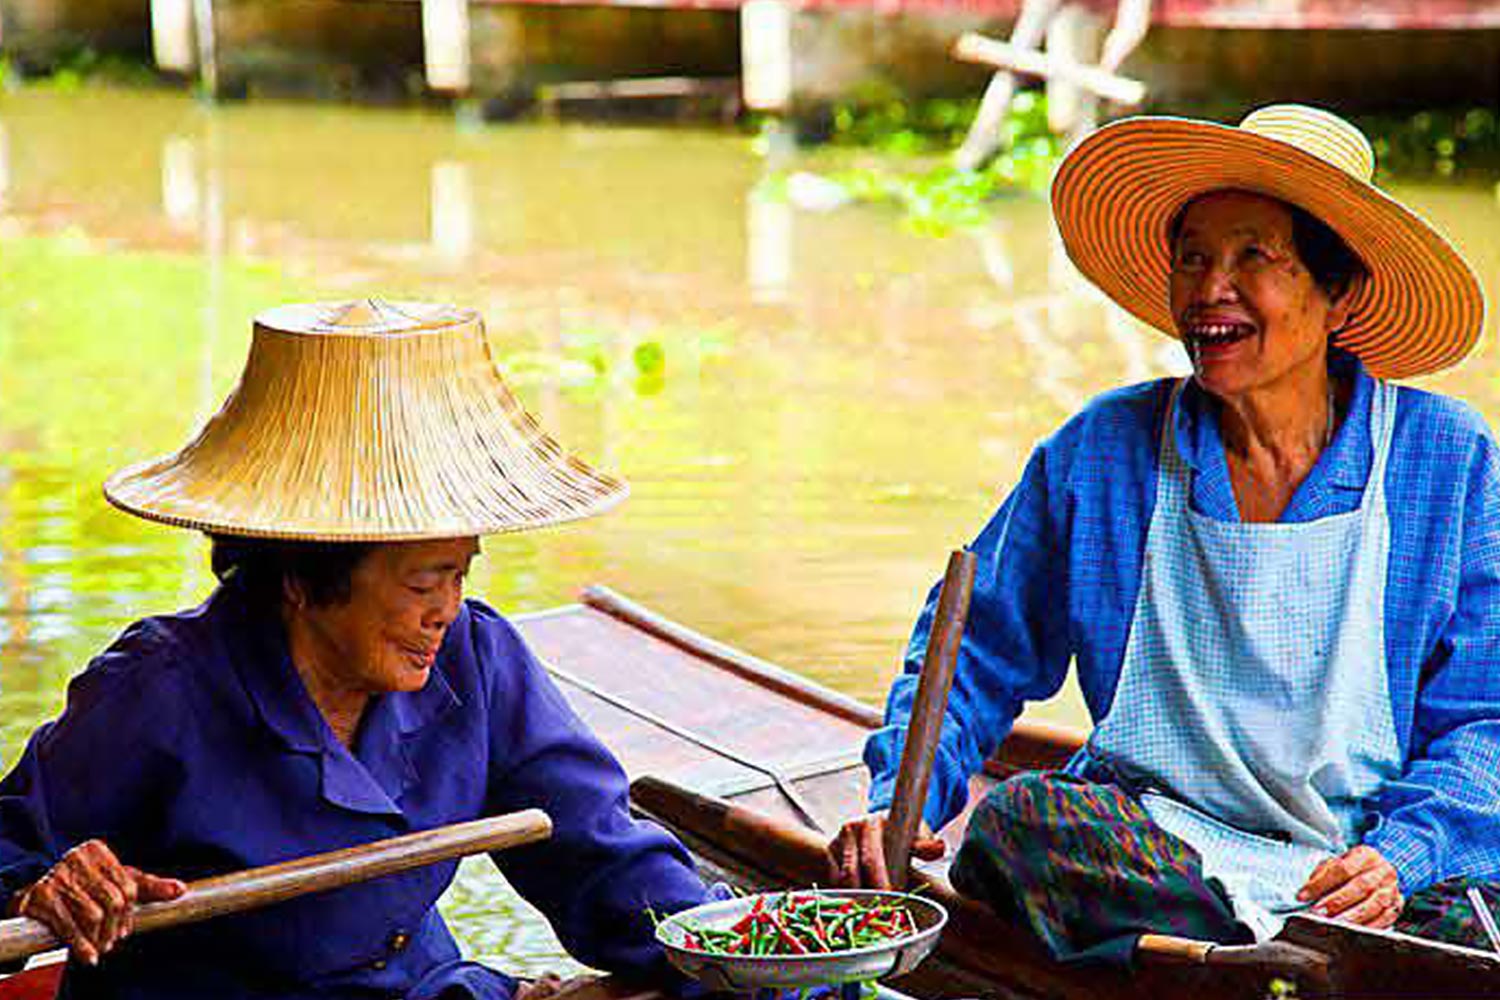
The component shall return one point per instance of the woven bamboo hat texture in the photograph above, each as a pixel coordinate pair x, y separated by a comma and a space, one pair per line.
1116, 193
367, 421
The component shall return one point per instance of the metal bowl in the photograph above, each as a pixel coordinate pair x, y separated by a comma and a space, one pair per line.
739, 973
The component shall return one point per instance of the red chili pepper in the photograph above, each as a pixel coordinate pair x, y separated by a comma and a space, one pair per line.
798, 948
691, 943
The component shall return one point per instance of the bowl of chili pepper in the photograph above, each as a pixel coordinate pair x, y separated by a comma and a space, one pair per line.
802, 937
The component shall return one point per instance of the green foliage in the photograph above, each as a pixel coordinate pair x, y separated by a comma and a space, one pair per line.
901, 128
1459, 144
84, 66
1281, 989
936, 198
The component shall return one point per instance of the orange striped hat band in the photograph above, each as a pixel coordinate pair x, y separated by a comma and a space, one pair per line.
1116, 193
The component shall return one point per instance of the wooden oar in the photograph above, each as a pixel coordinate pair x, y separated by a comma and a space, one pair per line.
926, 724
22, 937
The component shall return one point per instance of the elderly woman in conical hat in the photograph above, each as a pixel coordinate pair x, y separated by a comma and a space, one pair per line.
336, 688
1279, 578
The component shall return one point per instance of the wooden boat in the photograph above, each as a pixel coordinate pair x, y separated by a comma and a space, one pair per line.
754, 766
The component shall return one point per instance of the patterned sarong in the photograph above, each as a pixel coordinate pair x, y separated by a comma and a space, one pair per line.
1084, 867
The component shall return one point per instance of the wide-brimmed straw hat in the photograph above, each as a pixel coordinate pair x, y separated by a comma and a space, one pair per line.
367, 421
1117, 191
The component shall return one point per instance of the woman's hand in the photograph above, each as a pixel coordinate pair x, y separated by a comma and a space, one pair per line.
856, 855
87, 899
1358, 886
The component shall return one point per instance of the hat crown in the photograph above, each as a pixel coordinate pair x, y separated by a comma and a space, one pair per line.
363, 317
1316, 132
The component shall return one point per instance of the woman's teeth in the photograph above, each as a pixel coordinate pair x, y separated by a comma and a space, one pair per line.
1214, 334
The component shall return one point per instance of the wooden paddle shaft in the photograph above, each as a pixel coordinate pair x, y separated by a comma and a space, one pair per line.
975, 48
926, 723
22, 937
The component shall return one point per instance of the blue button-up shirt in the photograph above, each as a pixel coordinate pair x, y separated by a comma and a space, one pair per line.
192, 748
1059, 568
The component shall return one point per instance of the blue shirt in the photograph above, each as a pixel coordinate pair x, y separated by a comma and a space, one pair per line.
1059, 567
192, 748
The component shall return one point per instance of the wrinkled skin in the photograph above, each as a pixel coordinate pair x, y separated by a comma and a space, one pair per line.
87, 899
1359, 886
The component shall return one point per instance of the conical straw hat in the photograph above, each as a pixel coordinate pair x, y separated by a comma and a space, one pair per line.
1115, 195
367, 421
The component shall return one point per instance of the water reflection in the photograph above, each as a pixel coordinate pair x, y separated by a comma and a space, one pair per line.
4, 164
768, 248
180, 195
452, 210
812, 408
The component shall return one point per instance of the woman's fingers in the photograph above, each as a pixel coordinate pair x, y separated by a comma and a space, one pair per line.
155, 888
1358, 886
88, 899
109, 885
1383, 902
43, 902
872, 870
857, 855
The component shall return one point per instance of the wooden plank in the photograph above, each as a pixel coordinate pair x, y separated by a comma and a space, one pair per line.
1297, 15
972, 47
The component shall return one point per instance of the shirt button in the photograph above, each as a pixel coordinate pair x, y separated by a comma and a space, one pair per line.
400, 940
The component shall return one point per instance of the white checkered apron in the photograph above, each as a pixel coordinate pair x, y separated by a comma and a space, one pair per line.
1252, 704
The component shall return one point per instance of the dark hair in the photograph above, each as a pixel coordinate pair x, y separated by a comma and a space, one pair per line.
263, 566
1323, 252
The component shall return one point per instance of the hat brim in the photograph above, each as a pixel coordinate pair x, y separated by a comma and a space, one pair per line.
1115, 194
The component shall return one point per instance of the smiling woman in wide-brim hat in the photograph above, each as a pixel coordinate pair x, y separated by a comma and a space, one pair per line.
1115, 195
1276, 577
335, 688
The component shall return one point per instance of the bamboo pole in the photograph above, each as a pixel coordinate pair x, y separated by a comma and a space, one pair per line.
975, 48
926, 724
984, 136
22, 937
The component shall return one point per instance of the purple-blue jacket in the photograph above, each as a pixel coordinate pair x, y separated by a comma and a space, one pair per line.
191, 747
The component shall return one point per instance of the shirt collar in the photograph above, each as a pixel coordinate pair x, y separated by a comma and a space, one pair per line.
383, 770
1345, 464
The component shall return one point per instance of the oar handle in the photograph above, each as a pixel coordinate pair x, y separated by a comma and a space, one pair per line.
1306, 967
926, 724
22, 937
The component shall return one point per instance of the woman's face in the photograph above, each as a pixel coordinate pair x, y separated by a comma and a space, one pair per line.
402, 598
1249, 312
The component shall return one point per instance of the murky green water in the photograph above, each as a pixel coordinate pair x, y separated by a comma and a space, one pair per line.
838, 402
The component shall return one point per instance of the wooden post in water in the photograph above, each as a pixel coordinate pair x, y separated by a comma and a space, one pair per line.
445, 44
985, 138
1073, 35
172, 35
208, 54
766, 55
